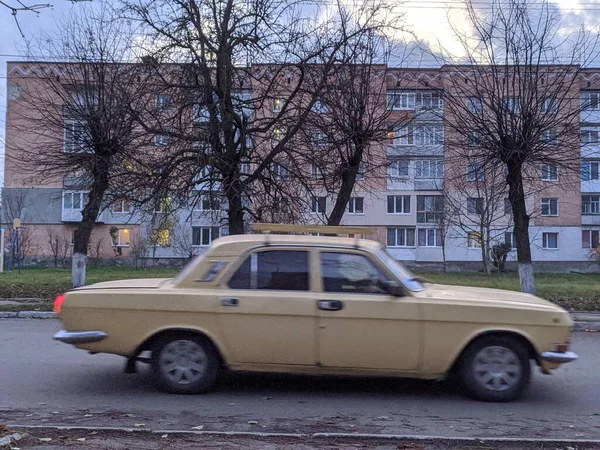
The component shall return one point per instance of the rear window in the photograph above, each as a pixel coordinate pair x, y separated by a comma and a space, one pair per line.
284, 270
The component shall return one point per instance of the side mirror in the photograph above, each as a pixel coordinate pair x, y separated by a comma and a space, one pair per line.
395, 289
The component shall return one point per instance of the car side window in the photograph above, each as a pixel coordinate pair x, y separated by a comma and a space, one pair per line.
351, 273
284, 270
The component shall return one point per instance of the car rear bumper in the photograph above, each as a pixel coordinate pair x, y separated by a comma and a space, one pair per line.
79, 337
559, 357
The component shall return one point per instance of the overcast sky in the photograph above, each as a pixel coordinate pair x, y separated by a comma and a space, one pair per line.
428, 19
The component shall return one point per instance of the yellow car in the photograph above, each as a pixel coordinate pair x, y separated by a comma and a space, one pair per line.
315, 305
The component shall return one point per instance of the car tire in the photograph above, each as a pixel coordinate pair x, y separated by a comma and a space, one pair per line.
185, 363
494, 369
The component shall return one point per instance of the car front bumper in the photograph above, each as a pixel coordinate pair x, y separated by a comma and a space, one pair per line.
79, 337
559, 357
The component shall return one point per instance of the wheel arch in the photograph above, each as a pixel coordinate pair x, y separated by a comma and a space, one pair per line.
153, 337
519, 335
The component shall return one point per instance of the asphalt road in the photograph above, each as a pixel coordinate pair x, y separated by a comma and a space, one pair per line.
43, 382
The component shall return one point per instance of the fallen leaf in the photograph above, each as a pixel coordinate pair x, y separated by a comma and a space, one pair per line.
165, 436
81, 440
199, 427
45, 439
571, 426
139, 425
252, 422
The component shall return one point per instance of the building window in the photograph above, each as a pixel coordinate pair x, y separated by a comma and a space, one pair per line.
400, 237
360, 173
549, 105
75, 138
590, 238
550, 137
319, 205
316, 171
430, 237
512, 104
428, 135
509, 239
200, 113
162, 101
277, 104
429, 208
475, 172
399, 168
161, 237
121, 205
474, 105
590, 101
429, 168
590, 205
549, 172
203, 236
123, 237
407, 100
74, 201
474, 205
207, 202
398, 204
318, 137
277, 135
244, 167
163, 205
319, 106
474, 139
507, 206
590, 170
590, 135
281, 171
474, 239
549, 207
161, 140
356, 205
550, 240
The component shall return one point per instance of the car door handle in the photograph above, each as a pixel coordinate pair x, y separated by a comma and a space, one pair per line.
330, 305
229, 301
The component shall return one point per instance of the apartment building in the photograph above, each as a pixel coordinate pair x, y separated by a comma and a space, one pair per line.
403, 206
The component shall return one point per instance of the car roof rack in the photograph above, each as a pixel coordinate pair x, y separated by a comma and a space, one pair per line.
281, 228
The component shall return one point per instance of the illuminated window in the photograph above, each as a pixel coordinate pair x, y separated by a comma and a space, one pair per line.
474, 239
123, 237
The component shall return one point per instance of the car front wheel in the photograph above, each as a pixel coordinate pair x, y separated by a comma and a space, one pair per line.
185, 364
495, 368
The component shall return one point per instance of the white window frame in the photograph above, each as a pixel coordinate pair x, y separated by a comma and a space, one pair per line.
549, 172
360, 173
352, 207
587, 167
591, 232
509, 238
210, 200
428, 169
119, 242
428, 135
593, 205
474, 104
77, 143
316, 205
475, 172
161, 140
429, 232
281, 171
404, 232
545, 240
403, 202
210, 235
123, 202
513, 104
549, 105
319, 137
590, 135
82, 196
472, 203
163, 101
277, 104
406, 100
550, 137
590, 100
398, 164
548, 202
474, 239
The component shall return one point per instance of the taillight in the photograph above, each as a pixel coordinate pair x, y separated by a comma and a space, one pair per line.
58, 301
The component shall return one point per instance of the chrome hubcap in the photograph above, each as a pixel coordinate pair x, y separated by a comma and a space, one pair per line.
183, 362
497, 368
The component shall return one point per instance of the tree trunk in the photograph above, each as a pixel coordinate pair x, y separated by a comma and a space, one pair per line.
235, 214
344, 194
521, 228
88, 221
484, 251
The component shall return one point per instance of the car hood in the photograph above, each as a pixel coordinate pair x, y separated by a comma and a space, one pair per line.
486, 296
140, 283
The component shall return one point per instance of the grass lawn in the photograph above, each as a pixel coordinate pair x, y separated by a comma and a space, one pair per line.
571, 291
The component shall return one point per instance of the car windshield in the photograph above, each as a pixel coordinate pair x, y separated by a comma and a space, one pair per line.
407, 278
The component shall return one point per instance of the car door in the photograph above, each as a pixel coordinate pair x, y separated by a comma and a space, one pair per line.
267, 309
361, 326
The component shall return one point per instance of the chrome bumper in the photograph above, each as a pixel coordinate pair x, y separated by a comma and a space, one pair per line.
558, 357
79, 337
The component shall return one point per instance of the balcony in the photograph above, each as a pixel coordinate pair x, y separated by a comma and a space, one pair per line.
399, 150
429, 184
73, 203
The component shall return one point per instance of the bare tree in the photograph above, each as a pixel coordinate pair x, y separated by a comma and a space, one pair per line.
60, 246
77, 117
244, 80
517, 95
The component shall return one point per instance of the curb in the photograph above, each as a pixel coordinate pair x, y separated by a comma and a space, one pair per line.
577, 326
316, 436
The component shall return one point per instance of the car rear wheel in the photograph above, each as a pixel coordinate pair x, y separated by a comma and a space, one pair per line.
185, 364
495, 368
